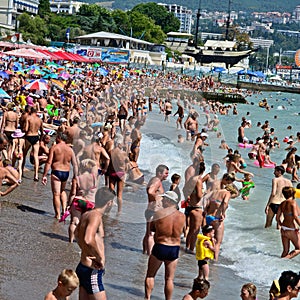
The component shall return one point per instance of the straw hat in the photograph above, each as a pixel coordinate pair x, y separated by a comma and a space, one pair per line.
18, 133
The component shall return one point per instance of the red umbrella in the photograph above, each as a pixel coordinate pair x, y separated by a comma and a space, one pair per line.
38, 85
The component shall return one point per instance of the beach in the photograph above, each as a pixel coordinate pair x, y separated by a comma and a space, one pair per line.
35, 247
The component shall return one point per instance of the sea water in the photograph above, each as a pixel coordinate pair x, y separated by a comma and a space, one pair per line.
249, 250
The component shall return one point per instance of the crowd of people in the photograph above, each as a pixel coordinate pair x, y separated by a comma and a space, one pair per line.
95, 124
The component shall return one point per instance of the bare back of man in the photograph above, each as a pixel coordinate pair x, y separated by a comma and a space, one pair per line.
33, 126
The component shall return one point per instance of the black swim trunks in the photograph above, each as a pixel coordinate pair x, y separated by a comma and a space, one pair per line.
202, 263
32, 139
274, 207
61, 175
165, 252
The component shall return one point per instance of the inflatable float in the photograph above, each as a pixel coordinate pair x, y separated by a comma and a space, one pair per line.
265, 165
242, 145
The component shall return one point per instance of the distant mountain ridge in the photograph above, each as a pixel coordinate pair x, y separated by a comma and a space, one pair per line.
218, 5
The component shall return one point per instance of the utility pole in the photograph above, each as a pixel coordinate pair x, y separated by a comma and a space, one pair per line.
197, 24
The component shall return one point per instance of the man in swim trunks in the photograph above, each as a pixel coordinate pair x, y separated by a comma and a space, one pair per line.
167, 224
154, 189
33, 126
60, 157
276, 196
89, 234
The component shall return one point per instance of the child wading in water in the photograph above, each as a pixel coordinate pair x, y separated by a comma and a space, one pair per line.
205, 250
247, 185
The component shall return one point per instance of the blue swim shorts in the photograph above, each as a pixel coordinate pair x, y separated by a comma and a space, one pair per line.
90, 279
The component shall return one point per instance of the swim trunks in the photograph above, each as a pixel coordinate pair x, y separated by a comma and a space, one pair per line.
32, 139
168, 112
61, 175
190, 208
210, 219
202, 262
165, 252
240, 139
90, 279
274, 207
139, 180
82, 205
117, 176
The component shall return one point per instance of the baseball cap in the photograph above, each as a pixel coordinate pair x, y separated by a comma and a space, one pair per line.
62, 120
171, 196
203, 134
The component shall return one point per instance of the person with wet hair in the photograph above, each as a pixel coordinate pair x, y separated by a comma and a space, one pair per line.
289, 283
200, 290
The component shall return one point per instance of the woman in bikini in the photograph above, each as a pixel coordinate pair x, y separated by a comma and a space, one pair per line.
9, 125
82, 195
287, 218
193, 194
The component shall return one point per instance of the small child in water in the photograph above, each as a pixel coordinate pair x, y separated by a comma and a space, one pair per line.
247, 185
67, 282
175, 185
205, 250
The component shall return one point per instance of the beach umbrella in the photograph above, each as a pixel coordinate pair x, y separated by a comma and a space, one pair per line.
3, 94
4, 75
38, 85
51, 76
64, 75
103, 72
52, 65
35, 72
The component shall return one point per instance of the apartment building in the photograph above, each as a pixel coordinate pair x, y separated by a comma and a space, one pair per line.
183, 14
10, 9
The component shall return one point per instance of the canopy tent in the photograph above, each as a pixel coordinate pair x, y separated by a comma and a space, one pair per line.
27, 53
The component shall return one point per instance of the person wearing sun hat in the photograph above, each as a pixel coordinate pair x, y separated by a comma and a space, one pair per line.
167, 224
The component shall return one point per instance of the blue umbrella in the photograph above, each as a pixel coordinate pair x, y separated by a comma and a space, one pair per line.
4, 75
3, 94
219, 69
103, 71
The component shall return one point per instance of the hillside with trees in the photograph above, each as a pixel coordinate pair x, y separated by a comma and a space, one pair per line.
220, 5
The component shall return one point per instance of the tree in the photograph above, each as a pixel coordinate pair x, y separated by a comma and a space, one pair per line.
44, 8
167, 21
145, 28
33, 28
105, 21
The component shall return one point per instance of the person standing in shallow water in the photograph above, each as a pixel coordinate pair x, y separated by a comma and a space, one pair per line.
287, 217
276, 196
154, 189
167, 224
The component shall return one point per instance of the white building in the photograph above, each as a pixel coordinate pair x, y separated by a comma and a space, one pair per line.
65, 6
183, 14
297, 13
10, 9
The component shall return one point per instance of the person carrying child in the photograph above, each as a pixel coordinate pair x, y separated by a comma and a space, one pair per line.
67, 282
205, 250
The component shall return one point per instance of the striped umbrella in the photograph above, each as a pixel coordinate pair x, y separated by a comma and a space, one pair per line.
39, 85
